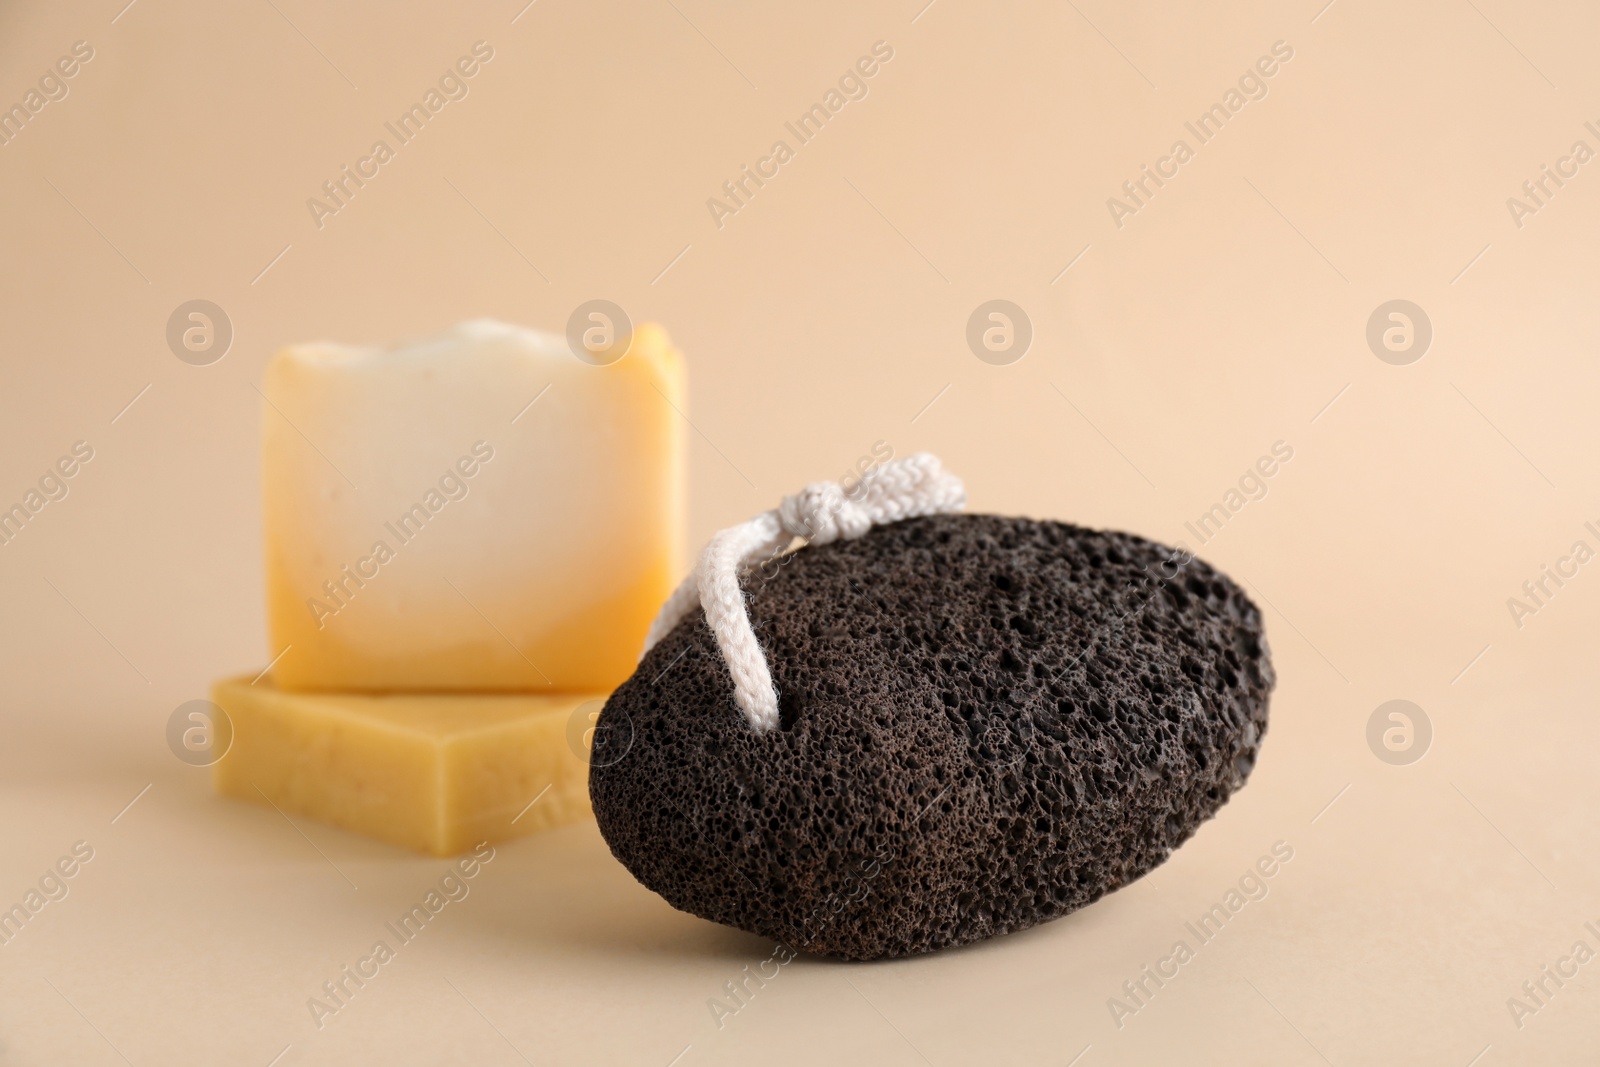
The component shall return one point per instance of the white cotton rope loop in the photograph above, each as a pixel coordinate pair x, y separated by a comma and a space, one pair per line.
820, 513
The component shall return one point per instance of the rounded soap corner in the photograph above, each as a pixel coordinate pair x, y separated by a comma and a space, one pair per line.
283, 362
652, 344
292, 368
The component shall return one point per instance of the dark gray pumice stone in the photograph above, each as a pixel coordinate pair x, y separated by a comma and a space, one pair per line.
986, 723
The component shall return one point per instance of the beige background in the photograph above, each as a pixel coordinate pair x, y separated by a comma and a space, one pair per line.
826, 315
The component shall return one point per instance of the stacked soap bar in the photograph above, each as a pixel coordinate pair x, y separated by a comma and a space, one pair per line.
434, 772
479, 510
467, 537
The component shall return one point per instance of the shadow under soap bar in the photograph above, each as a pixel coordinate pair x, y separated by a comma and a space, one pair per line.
437, 773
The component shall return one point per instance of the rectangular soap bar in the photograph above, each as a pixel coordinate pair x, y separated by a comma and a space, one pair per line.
436, 773
479, 510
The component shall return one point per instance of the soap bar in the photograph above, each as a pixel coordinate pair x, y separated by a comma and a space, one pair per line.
985, 723
479, 510
436, 773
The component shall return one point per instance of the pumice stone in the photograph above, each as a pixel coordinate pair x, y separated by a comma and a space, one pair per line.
970, 723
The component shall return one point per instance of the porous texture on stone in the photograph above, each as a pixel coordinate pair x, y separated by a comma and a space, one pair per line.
987, 723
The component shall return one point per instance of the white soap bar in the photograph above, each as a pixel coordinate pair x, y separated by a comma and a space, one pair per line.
479, 510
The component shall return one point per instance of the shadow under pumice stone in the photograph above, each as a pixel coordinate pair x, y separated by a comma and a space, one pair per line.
560, 892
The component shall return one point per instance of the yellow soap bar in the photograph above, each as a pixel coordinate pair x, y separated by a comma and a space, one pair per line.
437, 773
479, 510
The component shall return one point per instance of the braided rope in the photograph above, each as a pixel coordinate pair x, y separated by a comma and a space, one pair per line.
820, 513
